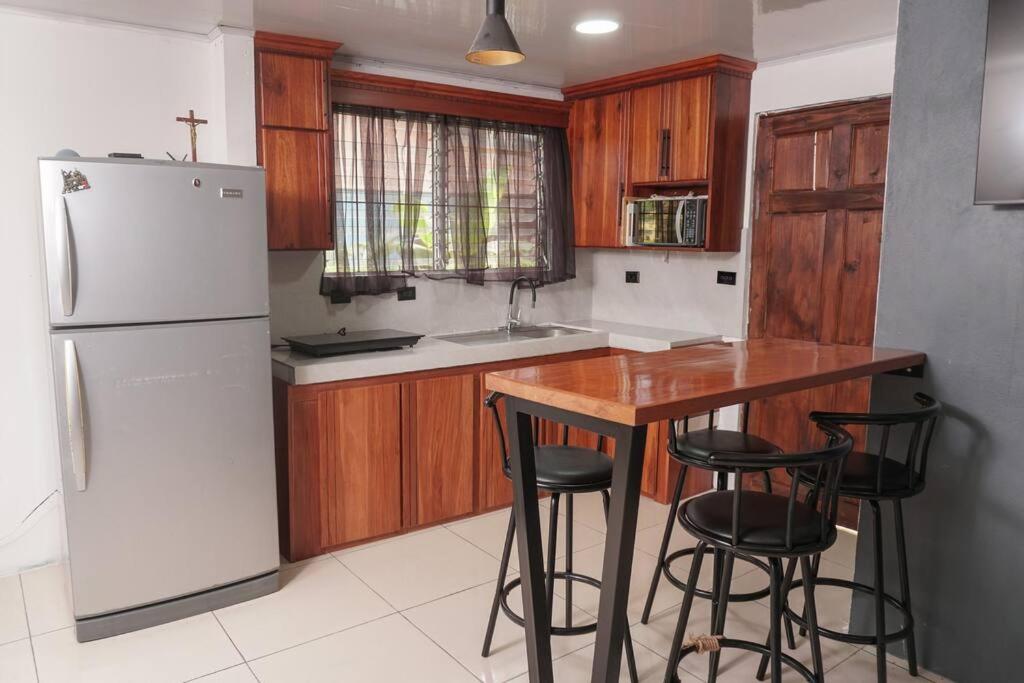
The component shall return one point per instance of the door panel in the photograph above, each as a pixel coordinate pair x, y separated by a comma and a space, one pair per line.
794, 266
144, 244
292, 90
646, 124
298, 188
688, 104
443, 446
360, 463
595, 135
172, 443
815, 249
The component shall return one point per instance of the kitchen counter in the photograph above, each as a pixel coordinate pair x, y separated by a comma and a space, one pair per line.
431, 352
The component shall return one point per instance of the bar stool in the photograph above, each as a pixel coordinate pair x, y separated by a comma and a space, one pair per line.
751, 523
875, 478
561, 470
693, 449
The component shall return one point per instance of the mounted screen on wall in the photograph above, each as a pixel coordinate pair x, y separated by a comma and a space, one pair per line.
1001, 144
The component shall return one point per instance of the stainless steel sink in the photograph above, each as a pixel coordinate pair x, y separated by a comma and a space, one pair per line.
501, 336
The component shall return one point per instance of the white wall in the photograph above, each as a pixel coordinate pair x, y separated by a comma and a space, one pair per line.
680, 290
94, 87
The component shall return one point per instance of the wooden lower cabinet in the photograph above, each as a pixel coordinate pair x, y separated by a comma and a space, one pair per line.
360, 463
440, 447
366, 458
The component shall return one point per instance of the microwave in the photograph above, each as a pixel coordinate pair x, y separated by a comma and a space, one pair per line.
660, 221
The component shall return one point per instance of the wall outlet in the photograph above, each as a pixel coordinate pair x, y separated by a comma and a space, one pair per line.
406, 294
726, 277
633, 276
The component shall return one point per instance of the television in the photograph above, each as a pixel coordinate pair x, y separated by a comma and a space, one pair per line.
1000, 178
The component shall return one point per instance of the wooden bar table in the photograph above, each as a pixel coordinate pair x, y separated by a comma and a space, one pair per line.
618, 396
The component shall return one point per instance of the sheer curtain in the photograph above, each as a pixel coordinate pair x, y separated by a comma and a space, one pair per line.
445, 197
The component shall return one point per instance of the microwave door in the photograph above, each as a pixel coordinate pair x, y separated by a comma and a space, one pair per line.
680, 205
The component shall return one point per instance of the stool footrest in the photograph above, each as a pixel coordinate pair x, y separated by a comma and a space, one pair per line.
759, 648
555, 630
854, 638
666, 569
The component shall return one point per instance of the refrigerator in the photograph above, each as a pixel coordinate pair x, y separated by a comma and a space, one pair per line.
157, 292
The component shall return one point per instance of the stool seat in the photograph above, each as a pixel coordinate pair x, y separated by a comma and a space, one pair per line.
700, 444
762, 519
860, 476
572, 468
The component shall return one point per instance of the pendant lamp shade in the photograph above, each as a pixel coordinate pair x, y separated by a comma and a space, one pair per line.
494, 44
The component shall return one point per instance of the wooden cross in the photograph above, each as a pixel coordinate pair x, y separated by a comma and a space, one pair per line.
192, 122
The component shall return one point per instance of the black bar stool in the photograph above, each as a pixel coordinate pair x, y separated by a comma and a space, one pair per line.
561, 470
751, 523
876, 478
693, 449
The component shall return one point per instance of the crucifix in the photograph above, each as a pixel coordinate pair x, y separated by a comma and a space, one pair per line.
192, 122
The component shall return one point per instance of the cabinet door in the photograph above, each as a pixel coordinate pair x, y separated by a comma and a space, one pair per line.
293, 91
646, 127
687, 106
441, 447
299, 188
596, 145
360, 463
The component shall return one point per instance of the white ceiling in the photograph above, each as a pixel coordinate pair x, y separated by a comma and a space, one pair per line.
436, 33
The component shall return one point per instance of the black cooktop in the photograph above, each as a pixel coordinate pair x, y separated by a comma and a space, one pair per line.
359, 341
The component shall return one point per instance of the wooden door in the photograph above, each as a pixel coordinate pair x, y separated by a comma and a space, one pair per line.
687, 109
819, 186
596, 126
293, 91
299, 188
439, 478
646, 133
360, 463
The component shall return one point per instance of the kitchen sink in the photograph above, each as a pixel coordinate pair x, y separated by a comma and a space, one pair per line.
501, 336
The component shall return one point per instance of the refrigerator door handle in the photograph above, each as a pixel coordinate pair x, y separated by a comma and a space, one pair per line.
75, 414
66, 279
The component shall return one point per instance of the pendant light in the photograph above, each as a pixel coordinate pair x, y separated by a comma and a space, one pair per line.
494, 44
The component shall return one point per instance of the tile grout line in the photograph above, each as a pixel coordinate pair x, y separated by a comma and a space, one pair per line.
232, 641
28, 627
409, 621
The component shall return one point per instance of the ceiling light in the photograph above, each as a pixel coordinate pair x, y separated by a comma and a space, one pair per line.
594, 26
494, 44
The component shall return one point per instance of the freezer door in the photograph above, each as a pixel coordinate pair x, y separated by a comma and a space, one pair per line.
167, 457
140, 241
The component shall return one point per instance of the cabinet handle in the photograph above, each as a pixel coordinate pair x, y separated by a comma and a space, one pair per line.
664, 152
622, 196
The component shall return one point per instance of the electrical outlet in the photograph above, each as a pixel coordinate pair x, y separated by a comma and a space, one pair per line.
633, 276
407, 294
726, 277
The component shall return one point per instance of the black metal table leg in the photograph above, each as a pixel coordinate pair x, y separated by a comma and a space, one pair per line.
531, 560
627, 472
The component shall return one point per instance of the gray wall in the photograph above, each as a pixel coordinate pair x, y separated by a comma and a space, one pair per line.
952, 285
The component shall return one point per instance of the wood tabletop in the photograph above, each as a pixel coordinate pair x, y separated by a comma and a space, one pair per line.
642, 388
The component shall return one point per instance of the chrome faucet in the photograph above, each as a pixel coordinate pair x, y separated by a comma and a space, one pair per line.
511, 320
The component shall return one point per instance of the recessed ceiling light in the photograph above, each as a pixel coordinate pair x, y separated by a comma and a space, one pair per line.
592, 26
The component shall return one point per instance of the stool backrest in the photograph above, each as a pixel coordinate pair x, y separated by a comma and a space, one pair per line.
920, 423
491, 402
824, 467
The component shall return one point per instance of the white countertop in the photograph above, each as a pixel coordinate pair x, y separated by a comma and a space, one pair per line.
431, 353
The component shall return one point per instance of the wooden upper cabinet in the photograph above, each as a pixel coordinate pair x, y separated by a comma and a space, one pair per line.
299, 188
293, 91
647, 134
685, 131
596, 137
688, 116
293, 139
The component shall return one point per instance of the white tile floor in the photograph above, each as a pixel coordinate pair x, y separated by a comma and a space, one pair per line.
411, 608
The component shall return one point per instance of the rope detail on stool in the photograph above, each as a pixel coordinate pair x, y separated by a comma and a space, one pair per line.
703, 644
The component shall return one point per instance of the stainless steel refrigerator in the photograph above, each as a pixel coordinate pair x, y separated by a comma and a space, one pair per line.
157, 292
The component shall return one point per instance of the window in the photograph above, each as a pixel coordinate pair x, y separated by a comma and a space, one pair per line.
446, 197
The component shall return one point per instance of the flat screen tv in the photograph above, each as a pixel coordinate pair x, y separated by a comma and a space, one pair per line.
1001, 144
